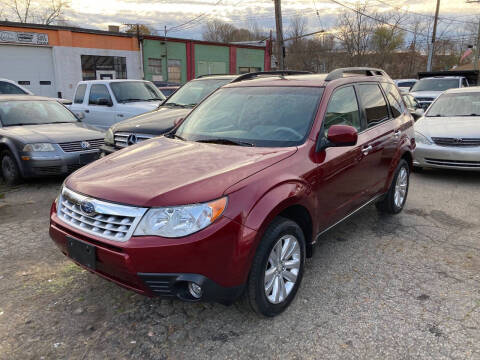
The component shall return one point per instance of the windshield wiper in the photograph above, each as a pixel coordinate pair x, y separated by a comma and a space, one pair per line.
172, 136
174, 104
226, 142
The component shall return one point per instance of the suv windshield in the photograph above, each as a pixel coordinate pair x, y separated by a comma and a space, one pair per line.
253, 116
435, 85
130, 91
466, 104
195, 91
34, 113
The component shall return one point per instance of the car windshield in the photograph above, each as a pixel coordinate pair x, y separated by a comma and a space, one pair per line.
253, 116
435, 85
459, 104
34, 112
195, 91
131, 91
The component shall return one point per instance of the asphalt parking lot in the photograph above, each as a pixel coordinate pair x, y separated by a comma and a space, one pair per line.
378, 287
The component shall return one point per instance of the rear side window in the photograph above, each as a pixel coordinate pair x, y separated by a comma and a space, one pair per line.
80, 94
343, 109
464, 83
98, 91
7, 88
374, 104
394, 99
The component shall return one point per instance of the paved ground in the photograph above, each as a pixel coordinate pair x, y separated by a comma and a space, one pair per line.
378, 287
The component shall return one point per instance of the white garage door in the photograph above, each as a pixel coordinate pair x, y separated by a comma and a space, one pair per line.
29, 66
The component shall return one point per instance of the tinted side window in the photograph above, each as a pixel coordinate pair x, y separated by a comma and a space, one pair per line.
343, 109
394, 99
80, 94
7, 88
464, 83
374, 103
98, 91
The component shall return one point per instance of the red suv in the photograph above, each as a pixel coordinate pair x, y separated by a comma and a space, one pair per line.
233, 200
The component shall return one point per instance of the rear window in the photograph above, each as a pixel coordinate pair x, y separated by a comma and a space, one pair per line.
435, 85
80, 94
374, 103
394, 99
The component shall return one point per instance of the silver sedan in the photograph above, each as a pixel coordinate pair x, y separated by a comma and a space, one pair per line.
448, 135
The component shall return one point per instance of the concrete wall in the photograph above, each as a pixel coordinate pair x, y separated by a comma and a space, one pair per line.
68, 66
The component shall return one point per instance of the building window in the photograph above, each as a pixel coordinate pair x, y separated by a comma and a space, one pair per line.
246, 69
174, 71
93, 65
155, 66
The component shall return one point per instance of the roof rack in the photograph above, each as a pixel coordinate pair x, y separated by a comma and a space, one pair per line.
207, 75
253, 75
338, 73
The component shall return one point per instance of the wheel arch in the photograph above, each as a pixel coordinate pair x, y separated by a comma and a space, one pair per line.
7, 144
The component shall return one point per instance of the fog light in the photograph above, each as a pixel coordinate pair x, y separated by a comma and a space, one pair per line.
195, 290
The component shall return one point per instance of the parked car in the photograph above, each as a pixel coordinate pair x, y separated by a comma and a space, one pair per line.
9, 87
166, 88
39, 136
448, 136
102, 103
429, 88
172, 111
234, 199
413, 106
404, 85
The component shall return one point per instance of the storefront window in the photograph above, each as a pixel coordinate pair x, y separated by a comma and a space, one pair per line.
155, 66
174, 71
92, 66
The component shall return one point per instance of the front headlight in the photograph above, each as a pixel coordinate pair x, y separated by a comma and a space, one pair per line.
38, 147
178, 221
109, 137
422, 139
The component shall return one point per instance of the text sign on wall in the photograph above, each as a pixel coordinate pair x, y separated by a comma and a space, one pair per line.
23, 37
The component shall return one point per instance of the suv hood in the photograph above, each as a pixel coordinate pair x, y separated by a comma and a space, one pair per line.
138, 107
166, 172
52, 133
426, 94
451, 127
155, 122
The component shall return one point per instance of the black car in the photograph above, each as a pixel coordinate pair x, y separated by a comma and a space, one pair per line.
39, 136
173, 110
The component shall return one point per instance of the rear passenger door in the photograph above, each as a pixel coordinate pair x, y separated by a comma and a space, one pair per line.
379, 138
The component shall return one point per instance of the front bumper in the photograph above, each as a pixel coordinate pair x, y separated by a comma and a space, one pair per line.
215, 258
107, 149
447, 157
56, 163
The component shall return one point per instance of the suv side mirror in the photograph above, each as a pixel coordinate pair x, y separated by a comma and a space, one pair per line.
419, 112
338, 135
104, 102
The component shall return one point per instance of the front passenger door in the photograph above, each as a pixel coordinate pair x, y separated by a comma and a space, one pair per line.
100, 115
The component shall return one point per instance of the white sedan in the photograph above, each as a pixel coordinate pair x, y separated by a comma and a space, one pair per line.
448, 135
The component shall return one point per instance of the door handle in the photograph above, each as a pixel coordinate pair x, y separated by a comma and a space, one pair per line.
87, 111
120, 115
397, 134
367, 149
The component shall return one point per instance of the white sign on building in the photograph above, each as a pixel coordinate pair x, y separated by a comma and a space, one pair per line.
23, 37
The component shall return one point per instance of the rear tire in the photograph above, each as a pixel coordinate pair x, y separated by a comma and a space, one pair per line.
277, 268
394, 200
10, 171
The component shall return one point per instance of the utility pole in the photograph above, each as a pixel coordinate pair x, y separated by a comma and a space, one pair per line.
434, 34
279, 42
477, 50
166, 52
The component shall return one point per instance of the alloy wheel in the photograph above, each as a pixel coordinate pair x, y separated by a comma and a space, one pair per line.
401, 187
282, 269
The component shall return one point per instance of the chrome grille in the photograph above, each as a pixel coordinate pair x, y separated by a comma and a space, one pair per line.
124, 139
110, 221
445, 141
77, 145
457, 163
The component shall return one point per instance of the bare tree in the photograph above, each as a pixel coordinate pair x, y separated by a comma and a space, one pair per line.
220, 31
34, 11
386, 39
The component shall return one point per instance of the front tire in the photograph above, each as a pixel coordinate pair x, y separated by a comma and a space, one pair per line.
394, 200
9, 167
277, 268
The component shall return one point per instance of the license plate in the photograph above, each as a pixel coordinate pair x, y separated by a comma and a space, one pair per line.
82, 252
88, 158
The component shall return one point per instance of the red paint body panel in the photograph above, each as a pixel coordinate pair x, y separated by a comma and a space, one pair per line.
233, 59
260, 183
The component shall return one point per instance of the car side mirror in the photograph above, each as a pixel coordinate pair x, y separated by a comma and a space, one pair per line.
419, 112
104, 102
338, 135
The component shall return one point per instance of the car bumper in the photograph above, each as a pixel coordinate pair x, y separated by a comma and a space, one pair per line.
56, 164
215, 258
447, 157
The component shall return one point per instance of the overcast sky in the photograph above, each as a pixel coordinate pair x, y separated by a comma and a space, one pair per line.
195, 13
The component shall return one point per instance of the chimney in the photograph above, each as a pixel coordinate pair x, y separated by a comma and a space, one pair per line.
113, 28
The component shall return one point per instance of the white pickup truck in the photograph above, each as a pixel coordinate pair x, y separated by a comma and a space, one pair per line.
102, 103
